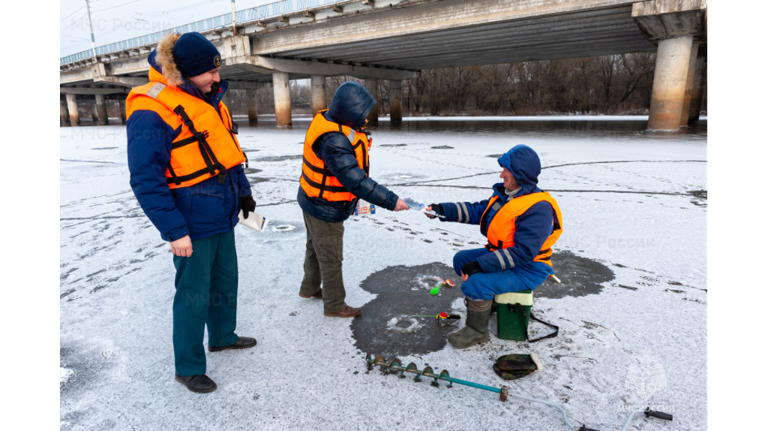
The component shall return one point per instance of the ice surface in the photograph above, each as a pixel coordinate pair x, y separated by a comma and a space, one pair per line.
633, 201
64, 375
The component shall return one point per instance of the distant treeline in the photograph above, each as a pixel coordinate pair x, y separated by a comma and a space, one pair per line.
615, 84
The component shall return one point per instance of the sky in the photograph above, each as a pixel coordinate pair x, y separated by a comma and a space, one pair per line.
116, 20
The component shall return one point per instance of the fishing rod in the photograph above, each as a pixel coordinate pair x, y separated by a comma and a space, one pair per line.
396, 365
442, 315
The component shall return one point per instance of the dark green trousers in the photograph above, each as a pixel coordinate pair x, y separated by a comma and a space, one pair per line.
322, 262
206, 293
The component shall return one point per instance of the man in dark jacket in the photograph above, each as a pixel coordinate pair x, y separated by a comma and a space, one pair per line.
171, 121
334, 176
521, 222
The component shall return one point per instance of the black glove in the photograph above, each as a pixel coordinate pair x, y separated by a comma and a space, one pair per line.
471, 268
247, 204
437, 208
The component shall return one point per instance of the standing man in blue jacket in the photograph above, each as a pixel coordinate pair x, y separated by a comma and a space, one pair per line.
186, 173
334, 176
522, 223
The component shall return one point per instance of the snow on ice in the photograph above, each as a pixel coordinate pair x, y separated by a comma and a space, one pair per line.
634, 207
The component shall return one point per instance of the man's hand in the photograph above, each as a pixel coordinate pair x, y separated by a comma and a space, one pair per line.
247, 204
401, 205
182, 247
437, 208
470, 268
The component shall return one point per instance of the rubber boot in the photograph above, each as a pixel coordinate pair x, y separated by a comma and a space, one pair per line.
476, 331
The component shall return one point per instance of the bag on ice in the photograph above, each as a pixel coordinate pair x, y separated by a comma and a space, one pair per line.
515, 366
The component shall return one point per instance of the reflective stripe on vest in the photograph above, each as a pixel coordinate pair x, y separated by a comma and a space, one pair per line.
217, 148
316, 180
501, 230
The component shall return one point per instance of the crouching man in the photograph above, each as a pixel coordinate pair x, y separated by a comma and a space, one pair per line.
522, 223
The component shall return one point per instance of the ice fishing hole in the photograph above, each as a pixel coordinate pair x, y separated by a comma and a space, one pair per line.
283, 228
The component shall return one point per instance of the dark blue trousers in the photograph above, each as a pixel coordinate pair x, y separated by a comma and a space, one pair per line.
482, 286
206, 293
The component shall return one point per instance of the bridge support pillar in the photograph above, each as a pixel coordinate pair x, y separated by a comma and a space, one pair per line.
395, 101
372, 85
672, 25
253, 113
74, 116
685, 114
669, 82
121, 103
63, 114
101, 110
282, 87
698, 86
318, 94
94, 114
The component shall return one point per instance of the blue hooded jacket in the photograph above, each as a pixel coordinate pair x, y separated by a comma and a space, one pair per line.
350, 106
531, 228
201, 210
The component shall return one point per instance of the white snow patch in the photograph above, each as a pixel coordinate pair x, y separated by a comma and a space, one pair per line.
404, 323
65, 374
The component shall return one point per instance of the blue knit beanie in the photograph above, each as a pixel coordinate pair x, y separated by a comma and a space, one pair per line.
195, 55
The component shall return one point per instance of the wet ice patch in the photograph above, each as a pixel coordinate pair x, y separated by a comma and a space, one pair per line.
390, 327
580, 276
699, 197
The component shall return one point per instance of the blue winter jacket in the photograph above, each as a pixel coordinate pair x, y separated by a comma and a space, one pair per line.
531, 228
201, 210
350, 106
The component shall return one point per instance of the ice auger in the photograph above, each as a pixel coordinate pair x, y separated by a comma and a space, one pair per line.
397, 366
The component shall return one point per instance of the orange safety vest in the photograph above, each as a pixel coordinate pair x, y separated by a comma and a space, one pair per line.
501, 232
316, 180
217, 148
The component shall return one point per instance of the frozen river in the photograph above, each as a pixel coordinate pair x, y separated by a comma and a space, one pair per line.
631, 310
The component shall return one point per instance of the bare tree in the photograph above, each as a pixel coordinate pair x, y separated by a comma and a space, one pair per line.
608, 84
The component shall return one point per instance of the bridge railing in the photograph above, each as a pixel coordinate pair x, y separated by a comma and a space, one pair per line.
269, 10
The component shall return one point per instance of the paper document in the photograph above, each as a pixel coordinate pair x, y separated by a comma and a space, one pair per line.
418, 206
254, 221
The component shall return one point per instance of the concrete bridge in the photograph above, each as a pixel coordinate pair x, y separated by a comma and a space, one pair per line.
395, 39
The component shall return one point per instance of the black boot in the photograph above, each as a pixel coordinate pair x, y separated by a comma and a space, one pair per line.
201, 384
241, 343
476, 331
